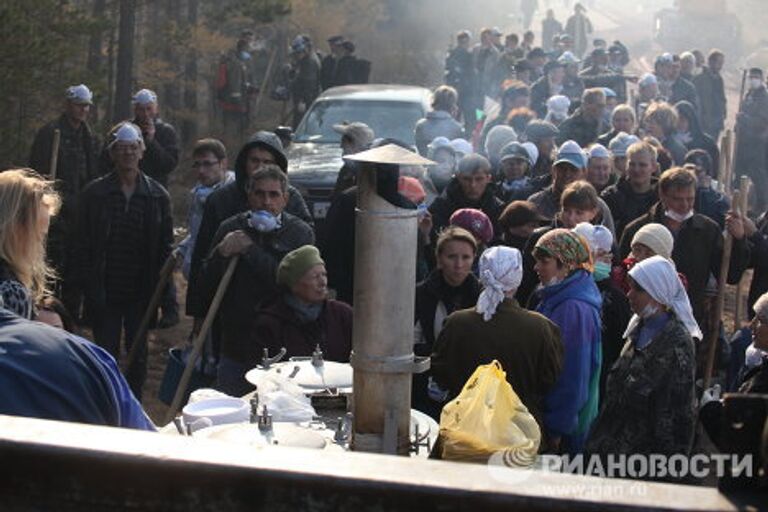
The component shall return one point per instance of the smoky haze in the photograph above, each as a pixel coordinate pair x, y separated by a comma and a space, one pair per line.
409, 45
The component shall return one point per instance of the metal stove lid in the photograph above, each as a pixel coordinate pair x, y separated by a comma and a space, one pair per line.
281, 434
303, 373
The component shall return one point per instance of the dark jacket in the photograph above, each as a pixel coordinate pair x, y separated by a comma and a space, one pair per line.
453, 199
540, 93
277, 325
596, 77
435, 301
76, 165
337, 241
162, 154
328, 71
93, 229
434, 291
713, 204
649, 402
606, 138
698, 139
711, 92
683, 90
305, 81
615, 315
550, 27
752, 133
675, 149
526, 344
578, 128
253, 282
573, 88
626, 205
460, 74
225, 202
697, 253
160, 158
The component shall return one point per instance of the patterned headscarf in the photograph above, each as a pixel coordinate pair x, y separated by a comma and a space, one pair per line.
570, 248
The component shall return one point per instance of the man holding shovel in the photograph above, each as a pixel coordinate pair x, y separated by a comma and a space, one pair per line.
65, 150
261, 237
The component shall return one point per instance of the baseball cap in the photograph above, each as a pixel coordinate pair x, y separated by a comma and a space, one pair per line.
514, 150
360, 133
537, 130
571, 153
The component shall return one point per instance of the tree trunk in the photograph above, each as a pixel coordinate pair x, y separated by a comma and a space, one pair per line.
95, 59
125, 60
189, 127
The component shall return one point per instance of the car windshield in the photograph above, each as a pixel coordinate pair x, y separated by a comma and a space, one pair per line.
388, 119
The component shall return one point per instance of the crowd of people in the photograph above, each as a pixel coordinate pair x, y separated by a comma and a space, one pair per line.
564, 230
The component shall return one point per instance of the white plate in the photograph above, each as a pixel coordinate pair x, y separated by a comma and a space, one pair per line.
330, 375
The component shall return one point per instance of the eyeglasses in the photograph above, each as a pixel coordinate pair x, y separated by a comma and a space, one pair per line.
205, 163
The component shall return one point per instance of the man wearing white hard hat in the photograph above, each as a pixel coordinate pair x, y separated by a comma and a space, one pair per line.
125, 232
162, 153
76, 165
161, 157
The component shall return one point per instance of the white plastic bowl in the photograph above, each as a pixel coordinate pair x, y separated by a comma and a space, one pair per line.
220, 411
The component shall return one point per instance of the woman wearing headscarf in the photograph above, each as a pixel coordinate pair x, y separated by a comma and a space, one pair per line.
451, 286
649, 400
570, 299
525, 343
302, 317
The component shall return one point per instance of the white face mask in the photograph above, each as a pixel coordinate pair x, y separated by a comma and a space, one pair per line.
263, 221
648, 311
755, 83
678, 217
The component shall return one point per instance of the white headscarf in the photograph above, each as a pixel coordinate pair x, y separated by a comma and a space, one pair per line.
658, 276
501, 270
599, 237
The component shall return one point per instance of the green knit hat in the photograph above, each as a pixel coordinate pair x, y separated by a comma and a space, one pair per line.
296, 263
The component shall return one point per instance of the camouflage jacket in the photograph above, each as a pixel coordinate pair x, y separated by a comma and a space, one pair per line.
648, 406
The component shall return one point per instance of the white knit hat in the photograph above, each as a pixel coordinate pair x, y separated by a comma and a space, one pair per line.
657, 238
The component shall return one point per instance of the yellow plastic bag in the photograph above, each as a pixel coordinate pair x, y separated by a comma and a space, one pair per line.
488, 417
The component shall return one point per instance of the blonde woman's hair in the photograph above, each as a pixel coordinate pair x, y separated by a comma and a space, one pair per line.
454, 233
22, 192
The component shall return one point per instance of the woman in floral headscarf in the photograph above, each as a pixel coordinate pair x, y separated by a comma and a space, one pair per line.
571, 300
